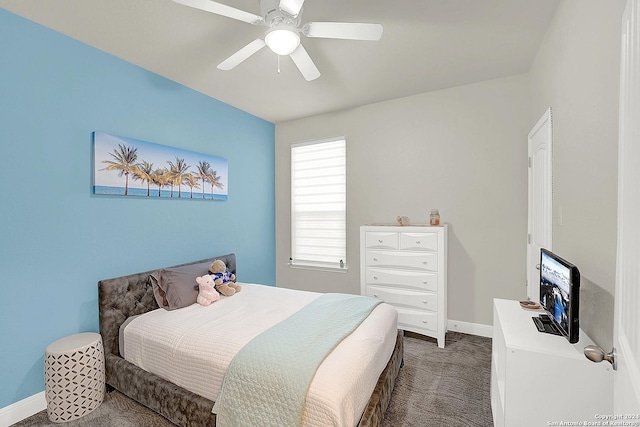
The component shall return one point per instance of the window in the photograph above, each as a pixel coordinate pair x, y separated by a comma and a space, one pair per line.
318, 204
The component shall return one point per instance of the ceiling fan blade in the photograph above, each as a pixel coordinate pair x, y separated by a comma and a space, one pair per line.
292, 7
222, 9
343, 30
235, 59
304, 63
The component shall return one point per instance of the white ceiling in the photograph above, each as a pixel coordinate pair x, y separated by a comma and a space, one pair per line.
427, 45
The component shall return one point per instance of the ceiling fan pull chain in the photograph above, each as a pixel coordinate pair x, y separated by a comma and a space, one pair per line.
278, 63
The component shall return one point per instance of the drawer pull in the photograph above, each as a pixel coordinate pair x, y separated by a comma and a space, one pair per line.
425, 302
375, 295
375, 277
375, 259
424, 282
424, 321
425, 262
379, 240
417, 242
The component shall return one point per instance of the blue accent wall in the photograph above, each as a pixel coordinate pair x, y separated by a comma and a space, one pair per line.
58, 239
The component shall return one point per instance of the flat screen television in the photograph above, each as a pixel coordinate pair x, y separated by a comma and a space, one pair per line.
560, 293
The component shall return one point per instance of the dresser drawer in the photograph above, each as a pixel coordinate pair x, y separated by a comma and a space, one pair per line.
415, 319
381, 240
414, 299
418, 260
410, 279
419, 241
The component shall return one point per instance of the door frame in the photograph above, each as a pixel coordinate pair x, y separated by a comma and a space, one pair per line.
626, 334
543, 127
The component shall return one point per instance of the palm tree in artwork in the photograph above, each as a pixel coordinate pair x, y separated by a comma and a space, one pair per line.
144, 172
178, 172
160, 177
214, 180
124, 162
191, 180
204, 169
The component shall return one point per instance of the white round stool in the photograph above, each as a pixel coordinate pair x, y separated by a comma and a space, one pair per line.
74, 376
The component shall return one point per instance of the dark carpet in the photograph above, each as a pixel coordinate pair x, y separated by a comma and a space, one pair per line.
436, 387
443, 386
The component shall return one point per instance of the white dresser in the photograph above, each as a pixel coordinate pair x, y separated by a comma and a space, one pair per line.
406, 266
539, 379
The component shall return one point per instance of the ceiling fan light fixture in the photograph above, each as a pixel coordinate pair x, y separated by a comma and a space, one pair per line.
282, 40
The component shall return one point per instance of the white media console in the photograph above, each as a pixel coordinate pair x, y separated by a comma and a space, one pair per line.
538, 379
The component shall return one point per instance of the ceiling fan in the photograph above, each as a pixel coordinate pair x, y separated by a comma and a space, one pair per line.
282, 17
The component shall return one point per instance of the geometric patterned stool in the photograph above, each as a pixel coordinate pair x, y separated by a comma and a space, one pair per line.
74, 376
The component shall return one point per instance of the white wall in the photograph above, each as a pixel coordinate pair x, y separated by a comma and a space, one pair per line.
576, 72
461, 150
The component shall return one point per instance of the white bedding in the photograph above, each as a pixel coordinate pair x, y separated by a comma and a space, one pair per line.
193, 346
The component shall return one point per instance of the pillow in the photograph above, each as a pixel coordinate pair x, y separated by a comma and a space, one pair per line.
159, 294
176, 287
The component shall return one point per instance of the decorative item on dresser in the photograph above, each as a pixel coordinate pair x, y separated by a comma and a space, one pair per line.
407, 268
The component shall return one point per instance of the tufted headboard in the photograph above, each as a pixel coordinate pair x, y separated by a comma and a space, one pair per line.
126, 296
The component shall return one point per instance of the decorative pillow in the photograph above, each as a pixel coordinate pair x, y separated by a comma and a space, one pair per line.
159, 294
176, 287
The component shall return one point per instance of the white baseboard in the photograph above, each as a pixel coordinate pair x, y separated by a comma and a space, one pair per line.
22, 409
470, 328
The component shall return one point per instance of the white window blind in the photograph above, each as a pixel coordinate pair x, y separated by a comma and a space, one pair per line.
318, 203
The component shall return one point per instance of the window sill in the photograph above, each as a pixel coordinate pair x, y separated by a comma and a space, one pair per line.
309, 266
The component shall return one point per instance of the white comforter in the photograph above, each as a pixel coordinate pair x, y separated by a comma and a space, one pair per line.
193, 346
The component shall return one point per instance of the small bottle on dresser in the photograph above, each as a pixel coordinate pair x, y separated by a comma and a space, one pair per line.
434, 218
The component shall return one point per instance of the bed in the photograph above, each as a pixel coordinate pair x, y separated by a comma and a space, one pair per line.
122, 298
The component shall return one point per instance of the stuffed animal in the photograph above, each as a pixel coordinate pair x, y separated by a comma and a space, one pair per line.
206, 290
224, 279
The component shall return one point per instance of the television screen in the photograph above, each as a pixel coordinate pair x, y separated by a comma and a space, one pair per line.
559, 287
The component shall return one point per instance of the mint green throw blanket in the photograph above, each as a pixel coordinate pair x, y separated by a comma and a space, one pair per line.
267, 380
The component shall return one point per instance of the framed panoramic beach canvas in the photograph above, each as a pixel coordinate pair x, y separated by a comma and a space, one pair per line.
130, 167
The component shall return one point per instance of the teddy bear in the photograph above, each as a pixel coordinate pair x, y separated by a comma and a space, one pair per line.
224, 279
206, 290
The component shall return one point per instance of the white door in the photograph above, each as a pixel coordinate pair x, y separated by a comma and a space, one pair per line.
539, 225
626, 339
